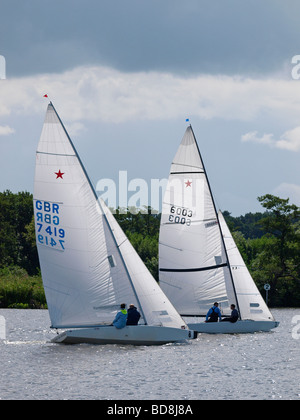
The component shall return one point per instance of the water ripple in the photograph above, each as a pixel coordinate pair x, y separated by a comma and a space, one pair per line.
253, 366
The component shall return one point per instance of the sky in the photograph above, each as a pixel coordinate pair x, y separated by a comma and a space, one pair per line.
124, 75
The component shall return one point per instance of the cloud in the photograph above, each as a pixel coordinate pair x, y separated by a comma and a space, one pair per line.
75, 129
290, 140
291, 191
6, 130
171, 35
254, 138
99, 93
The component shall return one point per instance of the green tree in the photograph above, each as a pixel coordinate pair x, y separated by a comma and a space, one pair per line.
16, 212
277, 261
142, 229
249, 224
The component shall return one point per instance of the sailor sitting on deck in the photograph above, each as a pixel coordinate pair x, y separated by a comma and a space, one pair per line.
133, 315
234, 315
213, 314
121, 317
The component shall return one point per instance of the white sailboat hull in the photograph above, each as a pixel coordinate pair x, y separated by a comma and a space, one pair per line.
136, 335
239, 327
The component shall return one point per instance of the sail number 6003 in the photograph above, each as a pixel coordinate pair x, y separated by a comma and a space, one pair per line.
180, 215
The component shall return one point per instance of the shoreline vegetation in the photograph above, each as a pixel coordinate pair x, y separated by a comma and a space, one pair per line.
18, 290
269, 243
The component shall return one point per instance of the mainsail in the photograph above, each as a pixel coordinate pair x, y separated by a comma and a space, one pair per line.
88, 265
198, 260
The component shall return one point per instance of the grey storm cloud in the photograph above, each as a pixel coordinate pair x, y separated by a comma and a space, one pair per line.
190, 37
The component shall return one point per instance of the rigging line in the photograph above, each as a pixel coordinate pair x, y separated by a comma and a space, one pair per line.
54, 154
190, 270
126, 239
187, 172
170, 246
187, 165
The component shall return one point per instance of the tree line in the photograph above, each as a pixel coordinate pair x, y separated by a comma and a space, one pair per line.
269, 242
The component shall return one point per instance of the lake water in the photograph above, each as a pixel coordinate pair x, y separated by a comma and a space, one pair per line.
251, 366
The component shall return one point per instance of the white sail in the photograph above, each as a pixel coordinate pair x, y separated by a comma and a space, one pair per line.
194, 271
88, 266
251, 304
198, 259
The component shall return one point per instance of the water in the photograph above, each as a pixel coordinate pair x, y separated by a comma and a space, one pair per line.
224, 367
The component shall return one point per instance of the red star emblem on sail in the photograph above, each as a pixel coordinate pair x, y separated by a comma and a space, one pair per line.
188, 183
59, 174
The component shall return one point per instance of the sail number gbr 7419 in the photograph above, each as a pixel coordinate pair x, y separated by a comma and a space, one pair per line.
180, 215
47, 222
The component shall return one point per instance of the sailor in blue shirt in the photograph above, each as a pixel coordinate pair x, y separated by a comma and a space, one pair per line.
121, 317
213, 314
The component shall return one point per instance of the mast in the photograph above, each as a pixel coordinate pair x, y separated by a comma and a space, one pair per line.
104, 215
216, 213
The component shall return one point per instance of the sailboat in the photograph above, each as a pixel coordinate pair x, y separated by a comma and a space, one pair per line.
199, 263
87, 263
